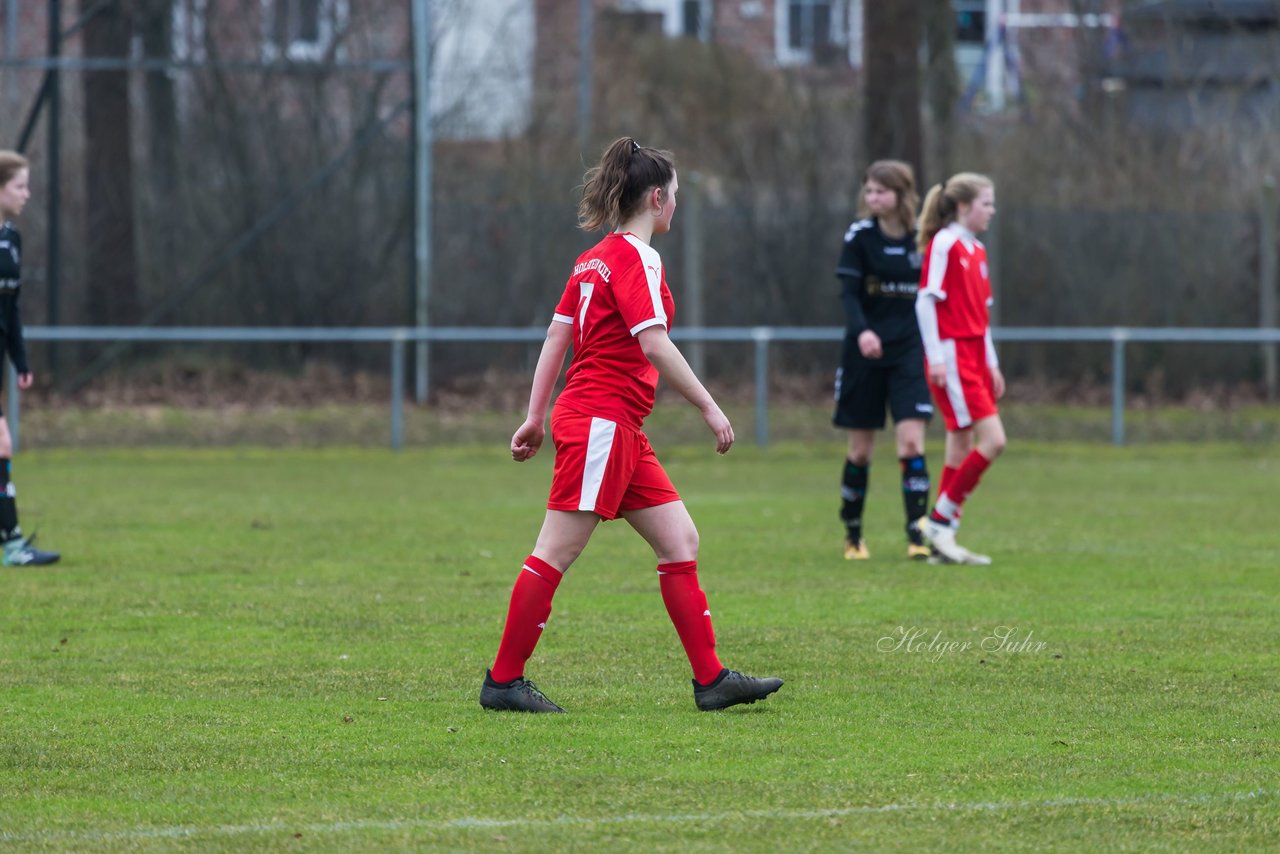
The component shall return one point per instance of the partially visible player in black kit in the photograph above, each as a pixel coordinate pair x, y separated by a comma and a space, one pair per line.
882, 364
18, 550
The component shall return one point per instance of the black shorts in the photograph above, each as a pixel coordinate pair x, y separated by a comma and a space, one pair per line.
866, 387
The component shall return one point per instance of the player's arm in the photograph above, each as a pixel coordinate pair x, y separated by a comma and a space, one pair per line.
663, 354
849, 271
931, 293
528, 437
855, 320
927, 320
16, 345
993, 364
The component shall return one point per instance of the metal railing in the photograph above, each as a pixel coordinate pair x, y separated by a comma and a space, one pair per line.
761, 337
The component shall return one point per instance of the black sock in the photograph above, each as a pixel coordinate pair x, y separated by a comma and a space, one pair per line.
915, 492
853, 492
8, 506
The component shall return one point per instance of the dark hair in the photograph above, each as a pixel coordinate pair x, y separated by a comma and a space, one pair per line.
10, 163
943, 203
898, 176
612, 191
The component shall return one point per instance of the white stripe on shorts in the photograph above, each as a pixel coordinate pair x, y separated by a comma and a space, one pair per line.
599, 446
955, 390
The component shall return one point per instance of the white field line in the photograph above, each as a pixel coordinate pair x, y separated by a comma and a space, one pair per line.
357, 825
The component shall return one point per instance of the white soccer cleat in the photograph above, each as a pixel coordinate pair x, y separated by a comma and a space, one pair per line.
973, 558
942, 539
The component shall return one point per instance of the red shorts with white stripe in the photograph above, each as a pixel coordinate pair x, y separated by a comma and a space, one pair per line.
604, 467
969, 394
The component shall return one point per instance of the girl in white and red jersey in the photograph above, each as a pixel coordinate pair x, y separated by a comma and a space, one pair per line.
953, 310
615, 313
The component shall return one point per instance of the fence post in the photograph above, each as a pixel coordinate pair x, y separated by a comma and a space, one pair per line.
11, 408
423, 141
1269, 288
1118, 337
397, 390
761, 335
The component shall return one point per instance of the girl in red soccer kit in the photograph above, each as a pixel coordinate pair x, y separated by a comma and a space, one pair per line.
953, 310
615, 313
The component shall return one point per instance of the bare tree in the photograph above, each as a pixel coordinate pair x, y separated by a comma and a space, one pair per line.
109, 247
891, 33
942, 86
153, 20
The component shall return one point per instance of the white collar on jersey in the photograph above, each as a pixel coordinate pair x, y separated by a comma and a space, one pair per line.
964, 235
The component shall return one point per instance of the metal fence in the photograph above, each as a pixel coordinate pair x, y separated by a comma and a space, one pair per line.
761, 337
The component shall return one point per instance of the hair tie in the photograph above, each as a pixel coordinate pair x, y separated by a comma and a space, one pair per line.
635, 147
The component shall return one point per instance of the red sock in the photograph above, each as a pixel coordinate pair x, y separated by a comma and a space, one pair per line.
967, 476
687, 607
526, 618
948, 474
945, 509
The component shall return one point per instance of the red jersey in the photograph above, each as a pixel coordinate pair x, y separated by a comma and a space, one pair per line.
955, 274
617, 289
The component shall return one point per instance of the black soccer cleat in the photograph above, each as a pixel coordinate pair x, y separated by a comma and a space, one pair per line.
731, 688
21, 551
518, 695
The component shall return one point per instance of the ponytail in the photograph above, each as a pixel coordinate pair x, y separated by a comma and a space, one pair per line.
613, 190
943, 203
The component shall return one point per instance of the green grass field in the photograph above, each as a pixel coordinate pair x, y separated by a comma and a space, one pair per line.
282, 650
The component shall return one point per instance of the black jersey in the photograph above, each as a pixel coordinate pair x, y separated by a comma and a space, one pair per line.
880, 277
10, 289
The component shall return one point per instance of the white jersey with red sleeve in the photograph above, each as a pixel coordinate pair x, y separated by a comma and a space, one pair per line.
617, 289
955, 277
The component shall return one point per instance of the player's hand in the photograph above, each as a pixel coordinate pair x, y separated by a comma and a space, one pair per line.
869, 344
25, 381
997, 382
937, 374
527, 440
720, 428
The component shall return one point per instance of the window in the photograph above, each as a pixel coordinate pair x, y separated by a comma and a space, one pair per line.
971, 21
301, 30
809, 24
188, 30
695, 19
812, 31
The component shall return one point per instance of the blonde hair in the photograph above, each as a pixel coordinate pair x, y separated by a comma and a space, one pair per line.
943, 203
11, 162
898, 176
614, 190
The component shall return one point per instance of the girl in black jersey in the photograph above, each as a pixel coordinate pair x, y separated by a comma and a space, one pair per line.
14, 192
882, 364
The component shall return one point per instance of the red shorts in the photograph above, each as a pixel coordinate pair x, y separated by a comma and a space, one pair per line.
968, 395
604, 467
